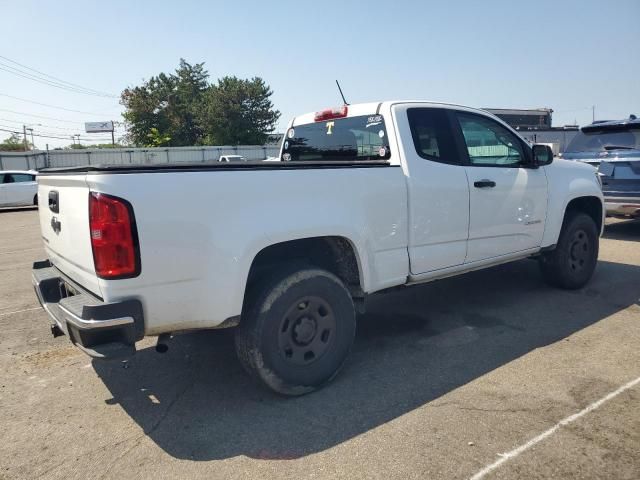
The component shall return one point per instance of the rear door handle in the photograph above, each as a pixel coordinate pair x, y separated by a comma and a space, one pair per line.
484, 184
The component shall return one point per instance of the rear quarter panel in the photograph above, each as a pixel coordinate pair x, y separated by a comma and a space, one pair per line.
200, 231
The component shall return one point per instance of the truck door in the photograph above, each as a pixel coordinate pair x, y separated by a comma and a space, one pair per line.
437, 188
508, 198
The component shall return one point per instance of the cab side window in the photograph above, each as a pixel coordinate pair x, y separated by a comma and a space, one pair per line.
489, 144
432, 134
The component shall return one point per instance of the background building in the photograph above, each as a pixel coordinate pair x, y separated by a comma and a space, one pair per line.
539, 118
535, 126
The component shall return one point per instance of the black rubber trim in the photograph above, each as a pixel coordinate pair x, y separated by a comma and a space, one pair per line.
213, 167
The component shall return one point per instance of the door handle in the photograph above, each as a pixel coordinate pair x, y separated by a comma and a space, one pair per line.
484, 184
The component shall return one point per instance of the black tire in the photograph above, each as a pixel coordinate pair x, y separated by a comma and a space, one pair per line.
35, 200
296, 330
571, 264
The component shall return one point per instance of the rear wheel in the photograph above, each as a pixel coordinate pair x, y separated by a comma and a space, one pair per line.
35, 199
297, 330
571, 264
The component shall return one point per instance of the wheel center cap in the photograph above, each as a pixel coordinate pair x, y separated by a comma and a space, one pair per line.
304, 330
577, 251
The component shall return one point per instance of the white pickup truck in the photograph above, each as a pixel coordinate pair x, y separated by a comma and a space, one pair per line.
366, 197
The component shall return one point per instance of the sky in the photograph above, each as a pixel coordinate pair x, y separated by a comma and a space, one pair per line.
565, 55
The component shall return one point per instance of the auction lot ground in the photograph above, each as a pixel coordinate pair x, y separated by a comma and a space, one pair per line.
443, 378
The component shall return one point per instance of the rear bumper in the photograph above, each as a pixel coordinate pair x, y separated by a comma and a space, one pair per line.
627, 206
101, 330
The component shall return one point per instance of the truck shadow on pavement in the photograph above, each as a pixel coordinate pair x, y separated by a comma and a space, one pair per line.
414, 345
16, 209
628, 230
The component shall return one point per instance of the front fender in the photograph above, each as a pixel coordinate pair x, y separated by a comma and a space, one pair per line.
567, 180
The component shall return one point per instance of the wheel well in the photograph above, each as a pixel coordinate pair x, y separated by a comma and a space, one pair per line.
335, 254
592, 206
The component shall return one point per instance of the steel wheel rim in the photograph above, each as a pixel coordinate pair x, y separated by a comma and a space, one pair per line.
579, 251
306, 331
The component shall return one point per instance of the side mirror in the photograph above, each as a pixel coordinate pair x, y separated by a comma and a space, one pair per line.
542, 155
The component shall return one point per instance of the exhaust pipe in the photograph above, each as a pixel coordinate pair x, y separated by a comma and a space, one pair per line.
163, 346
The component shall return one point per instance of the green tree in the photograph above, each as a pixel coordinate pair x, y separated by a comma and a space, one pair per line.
183, 109
167, 103
237, 111
78, 146
13, 144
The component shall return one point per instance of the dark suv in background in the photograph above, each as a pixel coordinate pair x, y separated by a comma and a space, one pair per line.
613, 147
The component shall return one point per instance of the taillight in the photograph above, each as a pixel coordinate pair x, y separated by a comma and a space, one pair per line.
331, 113
113, 237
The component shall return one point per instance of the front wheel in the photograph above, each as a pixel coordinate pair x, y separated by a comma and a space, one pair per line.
571, 264
296, 330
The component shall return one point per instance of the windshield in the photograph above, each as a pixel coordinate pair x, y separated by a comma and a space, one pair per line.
342, 139
599, 141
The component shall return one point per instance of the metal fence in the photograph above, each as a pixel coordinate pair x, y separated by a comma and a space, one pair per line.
123, 156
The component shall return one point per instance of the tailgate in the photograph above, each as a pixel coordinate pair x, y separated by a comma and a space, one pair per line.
63, 205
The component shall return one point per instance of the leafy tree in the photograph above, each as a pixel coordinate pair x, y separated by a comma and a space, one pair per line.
78, 146
183, 109
237, 111
13, 144
156, 139
167, 103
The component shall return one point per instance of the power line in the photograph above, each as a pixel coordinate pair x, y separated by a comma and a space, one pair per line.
43, 125
39, 116
50, 106
51, 80
56, 137
5, 68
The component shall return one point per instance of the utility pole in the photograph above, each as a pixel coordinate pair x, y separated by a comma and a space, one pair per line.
24, 132
593, 113
113, 140
33, 143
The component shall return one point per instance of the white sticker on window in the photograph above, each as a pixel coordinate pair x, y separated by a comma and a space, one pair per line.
382, 151
286, 145
291, 133
373, 120
330, 126
381, 133
286, 157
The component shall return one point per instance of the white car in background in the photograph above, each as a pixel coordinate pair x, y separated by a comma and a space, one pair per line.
231, 158
18, 188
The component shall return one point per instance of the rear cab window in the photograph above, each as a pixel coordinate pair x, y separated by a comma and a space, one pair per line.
357, 138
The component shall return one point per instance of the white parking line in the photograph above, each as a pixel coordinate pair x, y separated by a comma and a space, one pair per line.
19, 311
517, 451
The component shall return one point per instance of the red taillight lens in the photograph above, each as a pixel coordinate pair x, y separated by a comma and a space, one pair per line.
113, 237
330, 113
